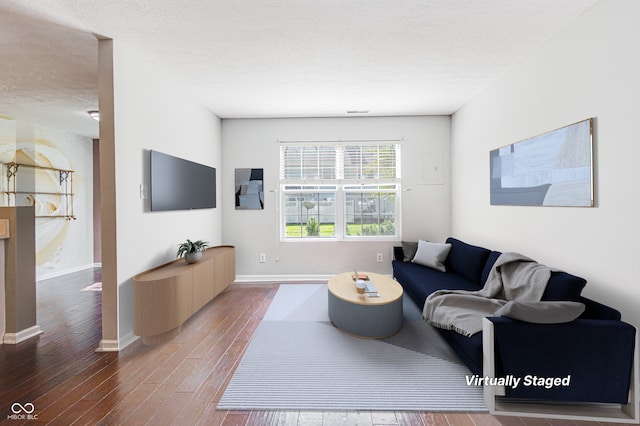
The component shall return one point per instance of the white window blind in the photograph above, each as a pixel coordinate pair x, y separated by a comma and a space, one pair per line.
363, 161
370, 162
308, 162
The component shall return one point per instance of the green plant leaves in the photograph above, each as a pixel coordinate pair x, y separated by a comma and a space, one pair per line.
190, 246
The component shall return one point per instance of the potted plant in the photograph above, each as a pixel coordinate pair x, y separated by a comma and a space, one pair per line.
192, 250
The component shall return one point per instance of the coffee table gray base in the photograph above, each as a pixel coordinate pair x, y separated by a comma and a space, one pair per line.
372, 321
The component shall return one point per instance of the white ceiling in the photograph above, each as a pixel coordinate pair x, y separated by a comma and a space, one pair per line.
272, 58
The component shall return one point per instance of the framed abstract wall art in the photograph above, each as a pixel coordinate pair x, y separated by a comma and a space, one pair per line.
249, 189
552, 169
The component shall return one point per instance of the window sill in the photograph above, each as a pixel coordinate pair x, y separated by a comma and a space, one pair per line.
393, 239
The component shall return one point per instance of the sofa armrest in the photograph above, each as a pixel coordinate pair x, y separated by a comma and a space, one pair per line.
398, 253
498, 405
596, 310
597, 355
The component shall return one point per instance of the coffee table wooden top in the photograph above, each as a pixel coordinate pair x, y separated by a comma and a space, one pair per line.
343, 287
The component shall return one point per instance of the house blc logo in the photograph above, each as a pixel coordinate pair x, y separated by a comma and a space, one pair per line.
22, 412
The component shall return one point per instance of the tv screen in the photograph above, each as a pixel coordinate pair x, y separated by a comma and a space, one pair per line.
178, 184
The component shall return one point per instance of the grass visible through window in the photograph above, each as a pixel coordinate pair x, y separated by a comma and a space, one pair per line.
328, 230
300, 230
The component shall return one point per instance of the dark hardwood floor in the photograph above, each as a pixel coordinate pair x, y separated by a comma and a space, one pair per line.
179, 382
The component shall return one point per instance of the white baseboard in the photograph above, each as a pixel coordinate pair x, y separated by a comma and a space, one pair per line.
55, 274
108, 345
22, 335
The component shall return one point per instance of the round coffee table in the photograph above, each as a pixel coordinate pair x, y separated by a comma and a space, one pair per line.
371, 317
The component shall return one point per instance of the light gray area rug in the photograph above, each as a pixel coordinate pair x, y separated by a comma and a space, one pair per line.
297, 360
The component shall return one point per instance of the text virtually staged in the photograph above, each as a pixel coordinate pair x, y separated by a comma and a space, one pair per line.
513, 382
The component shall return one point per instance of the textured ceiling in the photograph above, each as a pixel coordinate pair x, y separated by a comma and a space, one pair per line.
272, 58
48, 73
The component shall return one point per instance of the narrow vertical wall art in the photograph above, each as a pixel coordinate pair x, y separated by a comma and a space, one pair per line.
249, 189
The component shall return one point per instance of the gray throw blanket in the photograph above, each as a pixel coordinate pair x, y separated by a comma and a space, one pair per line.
513, 277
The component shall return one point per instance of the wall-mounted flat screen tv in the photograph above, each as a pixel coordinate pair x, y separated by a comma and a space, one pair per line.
179, 184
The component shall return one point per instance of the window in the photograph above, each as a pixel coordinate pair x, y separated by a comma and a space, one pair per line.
340, 191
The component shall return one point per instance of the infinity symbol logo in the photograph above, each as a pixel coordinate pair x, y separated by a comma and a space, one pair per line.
28, 408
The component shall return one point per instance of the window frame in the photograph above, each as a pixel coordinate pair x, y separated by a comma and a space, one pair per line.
301, 190
341, 187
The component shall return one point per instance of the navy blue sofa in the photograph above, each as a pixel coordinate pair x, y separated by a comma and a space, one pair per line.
597, 349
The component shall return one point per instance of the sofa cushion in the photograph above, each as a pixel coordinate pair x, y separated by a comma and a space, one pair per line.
419, 281
493, 256
431, 255
551, 312
467, 260
409, 249
564, 286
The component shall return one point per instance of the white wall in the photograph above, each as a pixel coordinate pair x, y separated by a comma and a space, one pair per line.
247, 143
151, 112
590, 69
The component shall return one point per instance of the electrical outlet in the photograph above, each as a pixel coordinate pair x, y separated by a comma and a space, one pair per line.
263, 257
379, 257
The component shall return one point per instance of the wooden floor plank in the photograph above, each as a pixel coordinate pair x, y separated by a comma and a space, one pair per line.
61, 407
120, 409
123, 387
210, 416
409, 418
434, 419
458, 419
480, 419
272, 418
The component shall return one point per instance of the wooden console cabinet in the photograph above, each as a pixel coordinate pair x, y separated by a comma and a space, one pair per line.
166, 296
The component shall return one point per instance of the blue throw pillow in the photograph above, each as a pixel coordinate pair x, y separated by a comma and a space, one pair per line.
467, 260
